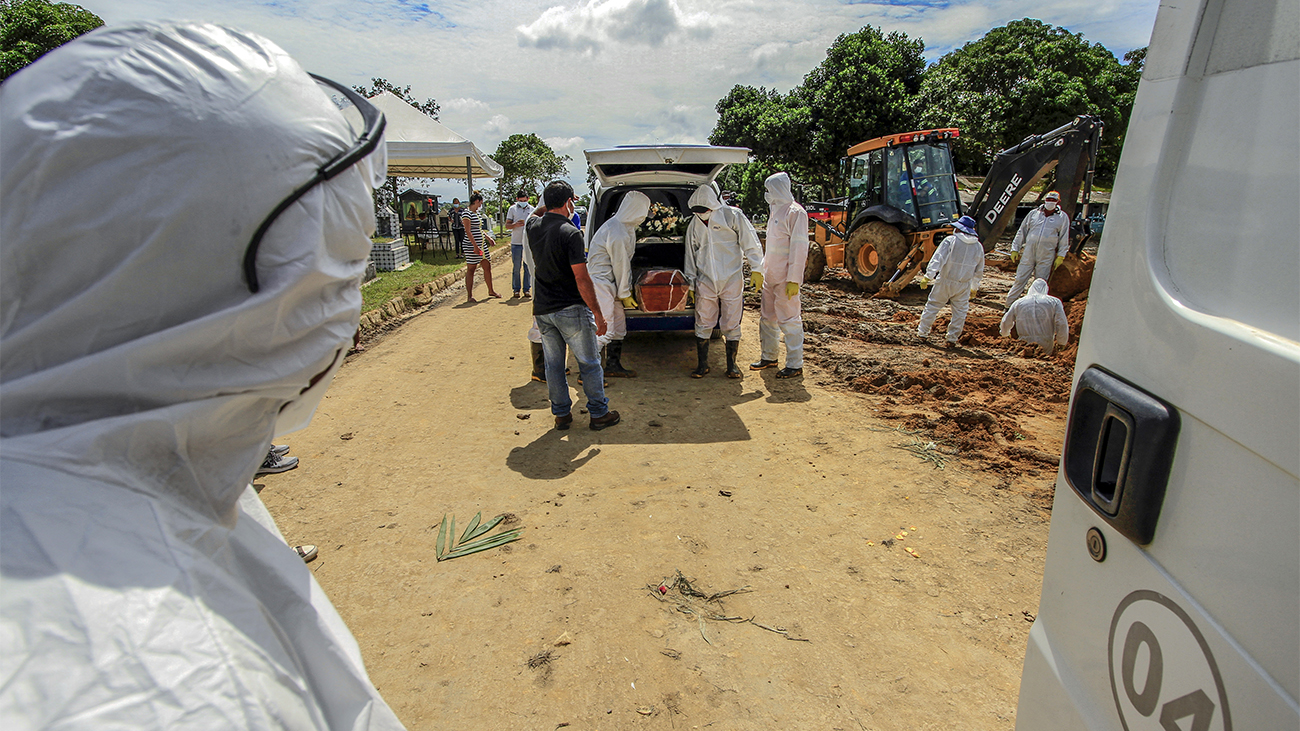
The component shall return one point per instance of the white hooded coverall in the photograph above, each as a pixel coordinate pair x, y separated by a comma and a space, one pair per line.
956, 267
783, 262
1040, 240
609, 262
534, 334
145, 586
715, 256
1038, 318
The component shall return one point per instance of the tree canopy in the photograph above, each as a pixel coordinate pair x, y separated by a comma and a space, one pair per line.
31, 28
1026, 78
865, 87
377, 85
529, 164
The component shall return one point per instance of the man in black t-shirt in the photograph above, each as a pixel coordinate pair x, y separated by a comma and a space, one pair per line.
564, 305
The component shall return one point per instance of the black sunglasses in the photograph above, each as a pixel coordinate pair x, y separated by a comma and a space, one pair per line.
373, 122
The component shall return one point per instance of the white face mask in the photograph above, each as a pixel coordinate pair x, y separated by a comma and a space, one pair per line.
297, 413
1049, 206
704, 216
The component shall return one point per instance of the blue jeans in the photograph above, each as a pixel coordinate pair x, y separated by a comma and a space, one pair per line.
574, 327
517, 256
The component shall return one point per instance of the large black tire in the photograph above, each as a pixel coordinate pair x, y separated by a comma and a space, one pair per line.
815, 267
872, 254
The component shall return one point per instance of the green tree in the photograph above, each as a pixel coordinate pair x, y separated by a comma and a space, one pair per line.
31, 28
529, 164
1026, 78
864, 88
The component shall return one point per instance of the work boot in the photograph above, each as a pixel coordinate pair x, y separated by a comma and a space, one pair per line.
539, 362
702, 353
789, 373
563, 422
613, 363
600, 422
762, 363
733, 346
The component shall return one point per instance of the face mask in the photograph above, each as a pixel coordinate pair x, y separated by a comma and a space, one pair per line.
768, 197
704, 216
1050, 206
297, 413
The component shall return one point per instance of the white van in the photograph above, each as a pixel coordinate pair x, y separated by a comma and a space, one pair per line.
1171, 594
668, 174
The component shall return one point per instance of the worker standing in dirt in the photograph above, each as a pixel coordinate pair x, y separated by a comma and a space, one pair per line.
718, 241
955, 271
783, 263
565, 307
609, 261
1038, 318
1040, 244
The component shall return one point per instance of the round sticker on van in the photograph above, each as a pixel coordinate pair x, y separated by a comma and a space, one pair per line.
1162, 673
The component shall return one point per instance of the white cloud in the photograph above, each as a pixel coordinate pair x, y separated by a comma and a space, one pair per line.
591, 26
465, 105
497, 125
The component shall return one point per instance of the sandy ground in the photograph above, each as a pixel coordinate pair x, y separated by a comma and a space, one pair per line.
800, 492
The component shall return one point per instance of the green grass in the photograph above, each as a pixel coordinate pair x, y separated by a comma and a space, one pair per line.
389, 284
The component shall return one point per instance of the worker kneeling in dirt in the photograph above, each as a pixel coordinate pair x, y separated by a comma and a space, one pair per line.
1038, 318
609, 261
783, 263
955, 270
718, 240
1040, 244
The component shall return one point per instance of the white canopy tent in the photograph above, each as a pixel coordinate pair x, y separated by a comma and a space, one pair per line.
420, 147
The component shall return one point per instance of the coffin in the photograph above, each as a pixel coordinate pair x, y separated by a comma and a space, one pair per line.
661, 290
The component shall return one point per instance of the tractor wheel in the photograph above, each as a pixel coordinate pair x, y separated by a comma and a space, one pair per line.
815, 267
872, 254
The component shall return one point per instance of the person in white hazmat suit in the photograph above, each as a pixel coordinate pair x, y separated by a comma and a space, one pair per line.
955, 271
1038, 318
783, 264
609, 262
1040, 244
718, 241
534, 334
186, 320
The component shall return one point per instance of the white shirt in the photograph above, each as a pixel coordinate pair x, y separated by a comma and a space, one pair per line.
518, 212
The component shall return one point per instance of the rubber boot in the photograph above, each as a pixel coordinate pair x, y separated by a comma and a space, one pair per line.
613, 361
539, 362
733, 346
702, 353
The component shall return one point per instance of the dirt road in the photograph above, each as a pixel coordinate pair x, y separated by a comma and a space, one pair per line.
797, 491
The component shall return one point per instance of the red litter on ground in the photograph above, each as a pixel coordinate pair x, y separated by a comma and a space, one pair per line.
663, 589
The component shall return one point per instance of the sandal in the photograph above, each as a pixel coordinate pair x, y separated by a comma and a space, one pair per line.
494, 295
471, 301
306, 553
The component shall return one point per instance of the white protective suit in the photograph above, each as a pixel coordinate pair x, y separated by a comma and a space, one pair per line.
783, 262
956, 268
715, 254
1040, 240
1038, 318
145, 586
609, 262
534, 334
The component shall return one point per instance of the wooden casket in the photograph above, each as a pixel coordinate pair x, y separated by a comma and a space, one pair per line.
661, 290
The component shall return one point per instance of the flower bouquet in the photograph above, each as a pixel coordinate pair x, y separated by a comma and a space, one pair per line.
662, 222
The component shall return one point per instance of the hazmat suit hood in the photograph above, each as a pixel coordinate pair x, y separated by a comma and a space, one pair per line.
142, 380
633, 209
1039, 287
778, 190
705, 196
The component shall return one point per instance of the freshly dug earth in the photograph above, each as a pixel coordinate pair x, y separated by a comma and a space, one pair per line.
881, 590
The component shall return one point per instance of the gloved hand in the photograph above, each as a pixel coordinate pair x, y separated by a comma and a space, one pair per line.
925, 282
974, 291
629, 303
1058, 262
690, 297
1015, 257
791, 289
757, 279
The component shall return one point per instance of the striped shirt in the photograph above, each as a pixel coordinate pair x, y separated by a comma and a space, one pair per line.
473, 232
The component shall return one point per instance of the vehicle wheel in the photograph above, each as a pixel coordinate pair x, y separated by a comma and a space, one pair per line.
872, 253
815, 267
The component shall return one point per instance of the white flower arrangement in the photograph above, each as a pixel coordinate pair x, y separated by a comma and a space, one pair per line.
662, 221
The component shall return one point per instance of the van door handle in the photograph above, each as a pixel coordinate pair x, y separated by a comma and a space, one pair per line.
1119, 448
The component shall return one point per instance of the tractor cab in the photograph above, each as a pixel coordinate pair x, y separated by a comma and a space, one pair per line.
910, 173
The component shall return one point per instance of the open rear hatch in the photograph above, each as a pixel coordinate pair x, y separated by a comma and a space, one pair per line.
662, 164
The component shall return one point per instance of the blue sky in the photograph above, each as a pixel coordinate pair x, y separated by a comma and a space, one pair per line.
598, 73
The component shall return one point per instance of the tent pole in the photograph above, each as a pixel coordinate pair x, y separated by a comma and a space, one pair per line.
469, 175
